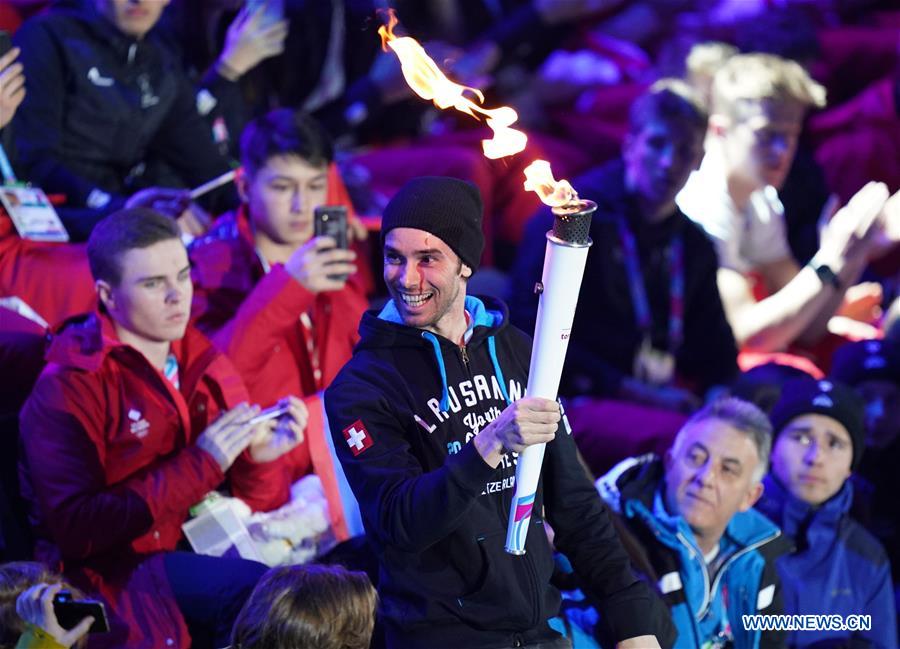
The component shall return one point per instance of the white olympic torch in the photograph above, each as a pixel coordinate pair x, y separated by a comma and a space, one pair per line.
564, 260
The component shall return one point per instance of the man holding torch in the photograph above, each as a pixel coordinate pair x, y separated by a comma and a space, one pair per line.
428, 418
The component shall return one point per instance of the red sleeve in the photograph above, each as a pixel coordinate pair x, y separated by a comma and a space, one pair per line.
263, 486
64, 457
346, 310
262, 322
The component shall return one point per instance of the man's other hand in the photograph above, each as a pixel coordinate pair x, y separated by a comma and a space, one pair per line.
35, 606
320, 266
249, 41
12, 85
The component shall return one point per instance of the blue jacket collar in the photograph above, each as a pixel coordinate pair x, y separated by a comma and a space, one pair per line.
793, 514
745, 528
481, 316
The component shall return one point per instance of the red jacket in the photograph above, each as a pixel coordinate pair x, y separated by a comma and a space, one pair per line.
110, 468
53, 278
257, 316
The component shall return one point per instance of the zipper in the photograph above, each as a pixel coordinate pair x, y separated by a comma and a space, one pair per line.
709, 589
706, 586
465, 357
740, 553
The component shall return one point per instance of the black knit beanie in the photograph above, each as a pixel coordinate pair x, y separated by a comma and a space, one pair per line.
448, 208
835, 400
867, 360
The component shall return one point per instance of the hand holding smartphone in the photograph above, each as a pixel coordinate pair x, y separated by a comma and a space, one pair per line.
331, 220
69, 612
272, 412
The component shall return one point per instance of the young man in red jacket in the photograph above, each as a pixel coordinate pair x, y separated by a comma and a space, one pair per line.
135, 418
269, 289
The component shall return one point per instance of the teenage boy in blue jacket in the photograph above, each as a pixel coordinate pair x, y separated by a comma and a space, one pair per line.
836, 568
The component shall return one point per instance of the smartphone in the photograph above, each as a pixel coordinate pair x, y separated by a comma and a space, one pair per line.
5, 42
69, 612
272, 412
273, 12
331, 220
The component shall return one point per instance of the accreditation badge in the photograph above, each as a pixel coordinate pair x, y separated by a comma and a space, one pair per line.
32, 214
653, 366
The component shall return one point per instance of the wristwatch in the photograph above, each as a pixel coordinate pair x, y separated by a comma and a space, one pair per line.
825, 274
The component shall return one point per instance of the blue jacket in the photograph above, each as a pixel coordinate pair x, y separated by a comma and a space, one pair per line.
837, 567
705, 607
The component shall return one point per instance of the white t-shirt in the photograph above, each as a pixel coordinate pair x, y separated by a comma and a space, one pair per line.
744, 239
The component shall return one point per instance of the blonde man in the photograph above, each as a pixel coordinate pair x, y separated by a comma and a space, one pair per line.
758, 105
702, 63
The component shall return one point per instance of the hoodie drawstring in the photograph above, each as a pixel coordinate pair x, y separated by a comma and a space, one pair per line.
445, 392
492, 350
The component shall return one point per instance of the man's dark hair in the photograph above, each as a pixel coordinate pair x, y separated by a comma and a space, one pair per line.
284, 132
671, 101
123, 231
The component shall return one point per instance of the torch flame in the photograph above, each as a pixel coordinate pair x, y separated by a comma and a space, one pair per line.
555, 193
426, 80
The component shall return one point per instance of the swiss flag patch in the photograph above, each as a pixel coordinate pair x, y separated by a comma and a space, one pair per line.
358, 438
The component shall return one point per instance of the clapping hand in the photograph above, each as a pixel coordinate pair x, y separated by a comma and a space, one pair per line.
12, 85
250, 40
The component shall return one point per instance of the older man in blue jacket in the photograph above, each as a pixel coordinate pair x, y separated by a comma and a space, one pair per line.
688, 523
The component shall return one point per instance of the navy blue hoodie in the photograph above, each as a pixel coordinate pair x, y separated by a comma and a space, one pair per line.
402, 413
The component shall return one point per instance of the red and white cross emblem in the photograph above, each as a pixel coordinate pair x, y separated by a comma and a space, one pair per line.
358, 438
